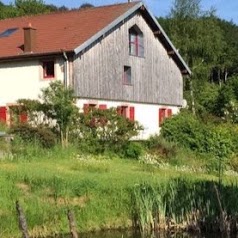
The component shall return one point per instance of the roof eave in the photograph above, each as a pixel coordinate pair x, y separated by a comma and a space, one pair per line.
186, 68
34, 55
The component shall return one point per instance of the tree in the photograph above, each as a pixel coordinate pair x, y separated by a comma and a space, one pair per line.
56, 110
30, 7
86, 5
58, 105
185, 8
8, 11
200, 45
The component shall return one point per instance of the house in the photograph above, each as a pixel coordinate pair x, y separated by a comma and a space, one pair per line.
112, 56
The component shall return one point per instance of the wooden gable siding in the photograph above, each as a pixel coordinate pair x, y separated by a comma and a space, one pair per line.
98, 72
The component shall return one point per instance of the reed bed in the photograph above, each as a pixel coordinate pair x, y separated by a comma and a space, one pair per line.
186, 205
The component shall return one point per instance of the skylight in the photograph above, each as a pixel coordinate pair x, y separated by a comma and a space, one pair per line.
8, 32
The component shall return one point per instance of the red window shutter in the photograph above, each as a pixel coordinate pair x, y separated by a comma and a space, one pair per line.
3, 114
169, 112
102, 107
86, 108
132, 113
23, 117
161, 115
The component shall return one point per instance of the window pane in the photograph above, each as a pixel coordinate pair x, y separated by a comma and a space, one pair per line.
132, 43
132, 37
127, 75
140, 46
132, 49
49, 70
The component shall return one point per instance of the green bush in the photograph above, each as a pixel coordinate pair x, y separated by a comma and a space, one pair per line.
42, 136
99, 131
132, 150
159, 146
189, 132
185, 130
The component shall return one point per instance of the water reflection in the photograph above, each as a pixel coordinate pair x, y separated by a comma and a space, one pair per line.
158, 235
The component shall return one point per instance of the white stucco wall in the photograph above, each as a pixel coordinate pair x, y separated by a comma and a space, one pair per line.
24, 79
146, 114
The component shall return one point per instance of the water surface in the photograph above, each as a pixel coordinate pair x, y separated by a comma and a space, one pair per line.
126, 234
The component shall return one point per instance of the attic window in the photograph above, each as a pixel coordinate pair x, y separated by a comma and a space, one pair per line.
136, 41
8, 32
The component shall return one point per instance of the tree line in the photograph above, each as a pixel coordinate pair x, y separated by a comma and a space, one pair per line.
31, 7
209, 45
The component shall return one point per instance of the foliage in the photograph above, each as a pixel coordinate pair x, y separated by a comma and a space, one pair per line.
26, 8
132, 150
226, 104
58, 105
190, 205
49, 182
101, 130
86, 5
30, 7
187, 131
56, 109
159, 146
209, 51
39, 135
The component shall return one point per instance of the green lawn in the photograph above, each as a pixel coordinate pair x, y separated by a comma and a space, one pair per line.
96, 189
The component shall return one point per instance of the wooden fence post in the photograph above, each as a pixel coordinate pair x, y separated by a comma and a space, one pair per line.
72, 224
22, 221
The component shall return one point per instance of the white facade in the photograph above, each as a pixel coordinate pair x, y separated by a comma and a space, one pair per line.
24, 79
146, 114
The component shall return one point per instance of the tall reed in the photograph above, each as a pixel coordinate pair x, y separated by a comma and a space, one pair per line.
183, 204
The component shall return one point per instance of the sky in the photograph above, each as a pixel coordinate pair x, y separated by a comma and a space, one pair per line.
225, 9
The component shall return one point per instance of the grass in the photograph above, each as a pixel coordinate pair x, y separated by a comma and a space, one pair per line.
97, 189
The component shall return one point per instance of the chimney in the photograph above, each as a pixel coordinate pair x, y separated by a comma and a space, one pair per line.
29, 39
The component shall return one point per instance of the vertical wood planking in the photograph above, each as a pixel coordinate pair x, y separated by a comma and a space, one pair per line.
155, 77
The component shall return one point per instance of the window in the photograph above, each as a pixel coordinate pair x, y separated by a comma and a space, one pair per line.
127, 75
88, 107
163, 114
48, 69
17, 114
8, 32
127, 112
136, 42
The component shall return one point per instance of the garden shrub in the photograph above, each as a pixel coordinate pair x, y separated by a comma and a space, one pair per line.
159, 146
189, 132
185, 130
104, 130
132, 150
40, 135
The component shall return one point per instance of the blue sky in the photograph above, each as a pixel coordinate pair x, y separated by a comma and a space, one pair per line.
226, 9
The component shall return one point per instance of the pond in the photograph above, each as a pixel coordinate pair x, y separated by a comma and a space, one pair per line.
126, 234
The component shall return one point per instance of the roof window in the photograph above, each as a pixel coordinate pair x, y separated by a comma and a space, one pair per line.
8, 32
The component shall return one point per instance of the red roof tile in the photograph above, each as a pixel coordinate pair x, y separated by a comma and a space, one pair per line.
61, 30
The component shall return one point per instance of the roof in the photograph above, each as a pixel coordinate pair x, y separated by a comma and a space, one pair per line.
73, 31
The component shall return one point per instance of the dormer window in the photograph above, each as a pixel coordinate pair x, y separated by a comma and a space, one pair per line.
136, 42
